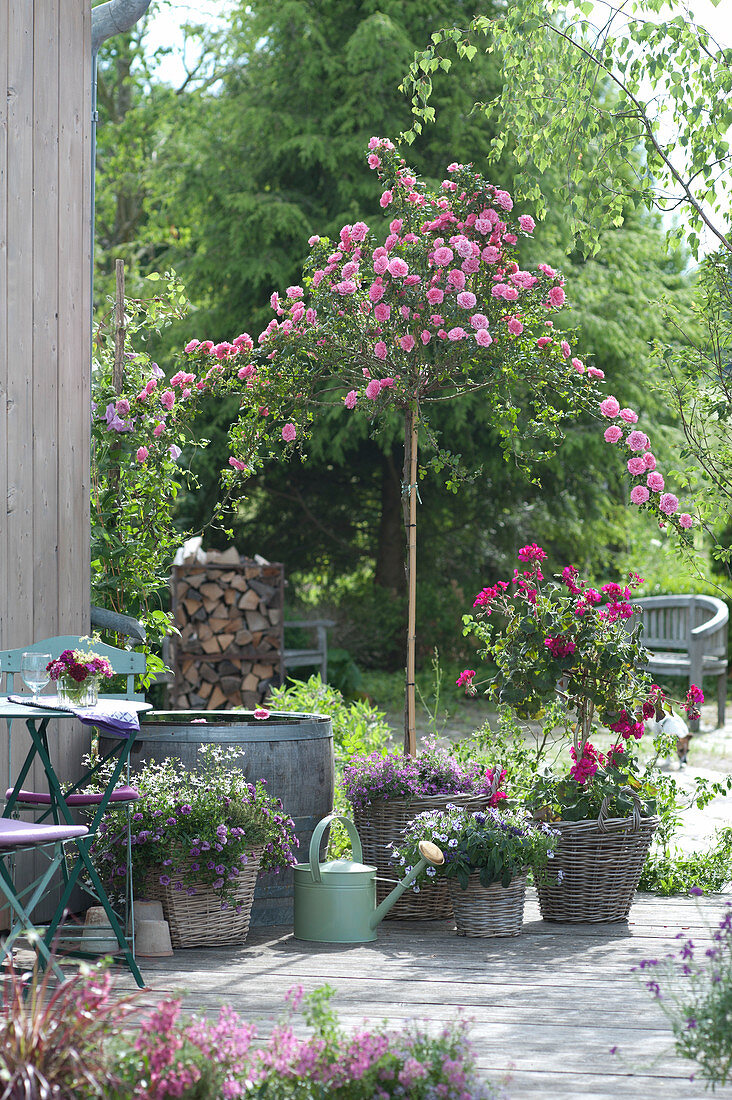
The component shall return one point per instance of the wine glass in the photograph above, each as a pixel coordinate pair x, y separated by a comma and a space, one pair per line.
34, 672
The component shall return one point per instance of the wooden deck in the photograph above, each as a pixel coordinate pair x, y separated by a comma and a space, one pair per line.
547, 1006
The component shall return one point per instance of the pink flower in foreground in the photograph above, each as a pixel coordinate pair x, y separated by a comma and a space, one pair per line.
629, 416
531, 552
167, 400
457, 333
465, 677
649, 461
425, 336
685, 520
639, 495
350, 399
527, 223
289, 432
479, 320
565, 349
578, 365
380, 350
385, 199
610, 407
260, 713
191, 345
159, 429
382, 311
557, 297
514, 326
443, 256
483, 337
237, 464
636, 466
142, 453
655, 481
174, 451
398, 267
313, 240
637, 441
613, 434
466, 299
406, 342
373, 389
669, 504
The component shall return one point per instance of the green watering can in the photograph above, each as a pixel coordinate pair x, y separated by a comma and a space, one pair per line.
335, 902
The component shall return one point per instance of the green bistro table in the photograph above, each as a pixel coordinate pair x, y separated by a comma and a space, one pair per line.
118, 718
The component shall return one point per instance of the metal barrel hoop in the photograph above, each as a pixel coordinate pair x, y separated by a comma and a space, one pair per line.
637, 812
317, 836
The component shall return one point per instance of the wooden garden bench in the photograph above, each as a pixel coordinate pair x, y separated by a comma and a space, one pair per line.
687, 636
316, 654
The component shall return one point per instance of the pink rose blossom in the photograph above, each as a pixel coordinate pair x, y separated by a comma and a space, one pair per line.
503, 199
350, 399
386, 383
406, 342
295, 292
466, 299
435, 296
593, 372
685, 520
385, 199
479, 320
629, 416
578, 366
613, 434
191, 345
380, 350
637, 441
142, 453
425, 336
565, 348
237, 464
669, 504
398, 267
313, 240
483, 337
649, 461
655, 482
527, 223
159, 429
443, 256
174, 451
557, 297
373, 389
636, 466
543, 341
639, 495
490, 254
457, 333
289, 432
167, 399
610, 407
382, 311
456, 279
514, 326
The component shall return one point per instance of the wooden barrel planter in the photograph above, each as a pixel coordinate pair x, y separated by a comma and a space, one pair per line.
291, 753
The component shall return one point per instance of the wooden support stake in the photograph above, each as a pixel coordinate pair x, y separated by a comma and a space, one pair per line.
118, 371
410, 709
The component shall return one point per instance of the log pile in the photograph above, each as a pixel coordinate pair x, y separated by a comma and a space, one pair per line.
231, 635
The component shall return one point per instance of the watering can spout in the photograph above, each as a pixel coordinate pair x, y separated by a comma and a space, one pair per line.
430, 853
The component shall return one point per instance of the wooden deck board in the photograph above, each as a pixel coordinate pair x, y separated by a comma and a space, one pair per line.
545, 1007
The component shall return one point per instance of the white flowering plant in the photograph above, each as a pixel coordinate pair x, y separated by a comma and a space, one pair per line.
495, 844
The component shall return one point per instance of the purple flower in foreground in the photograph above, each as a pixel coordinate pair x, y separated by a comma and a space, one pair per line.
164, 880
696, 891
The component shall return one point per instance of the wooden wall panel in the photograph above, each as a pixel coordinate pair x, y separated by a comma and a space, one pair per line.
45, 323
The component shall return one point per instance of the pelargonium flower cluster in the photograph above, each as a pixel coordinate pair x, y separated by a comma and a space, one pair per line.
649, 484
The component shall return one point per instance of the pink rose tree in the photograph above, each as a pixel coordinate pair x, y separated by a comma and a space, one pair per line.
432, 306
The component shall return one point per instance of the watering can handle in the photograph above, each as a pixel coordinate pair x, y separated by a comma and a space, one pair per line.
318, 836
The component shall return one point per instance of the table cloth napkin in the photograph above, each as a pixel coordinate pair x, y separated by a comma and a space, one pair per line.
117, 717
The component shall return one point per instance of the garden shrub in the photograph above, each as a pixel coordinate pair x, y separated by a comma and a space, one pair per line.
710, 870
358, 727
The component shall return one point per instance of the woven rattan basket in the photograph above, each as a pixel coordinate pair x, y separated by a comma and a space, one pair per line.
600, 864
198, 920
380, 827
488, 910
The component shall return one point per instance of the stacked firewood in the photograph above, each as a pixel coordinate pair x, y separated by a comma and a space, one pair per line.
231, 637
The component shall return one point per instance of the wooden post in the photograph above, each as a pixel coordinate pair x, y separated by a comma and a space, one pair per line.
410, 489
118, 371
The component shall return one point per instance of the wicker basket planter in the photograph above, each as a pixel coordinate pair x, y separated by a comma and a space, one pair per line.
380, 827
198, 920
601, 863
488, 910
